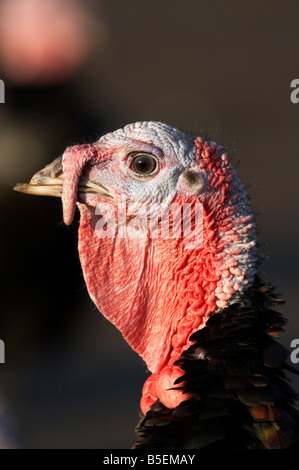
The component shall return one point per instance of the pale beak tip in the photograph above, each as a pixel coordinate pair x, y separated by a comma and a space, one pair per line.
20, 187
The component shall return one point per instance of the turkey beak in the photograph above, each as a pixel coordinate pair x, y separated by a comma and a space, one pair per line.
48, 182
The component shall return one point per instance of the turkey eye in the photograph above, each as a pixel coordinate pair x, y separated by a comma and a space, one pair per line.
144, 164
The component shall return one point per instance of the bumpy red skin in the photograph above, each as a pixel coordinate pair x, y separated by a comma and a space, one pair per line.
156, 292
200, 274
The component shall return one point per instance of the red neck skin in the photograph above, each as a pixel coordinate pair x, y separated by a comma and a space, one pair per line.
156, 292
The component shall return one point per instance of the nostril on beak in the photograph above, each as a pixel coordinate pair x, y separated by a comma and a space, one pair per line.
53, 170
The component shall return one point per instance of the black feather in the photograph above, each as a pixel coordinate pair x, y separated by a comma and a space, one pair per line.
240, 395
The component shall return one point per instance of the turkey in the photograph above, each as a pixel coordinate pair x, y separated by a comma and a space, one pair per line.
168, 249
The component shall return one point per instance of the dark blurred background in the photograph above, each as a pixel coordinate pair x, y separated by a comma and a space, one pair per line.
74, 70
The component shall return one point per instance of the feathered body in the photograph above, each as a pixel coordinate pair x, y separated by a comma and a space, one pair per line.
235, 373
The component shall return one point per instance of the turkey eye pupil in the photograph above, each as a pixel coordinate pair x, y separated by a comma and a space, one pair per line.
143, 164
